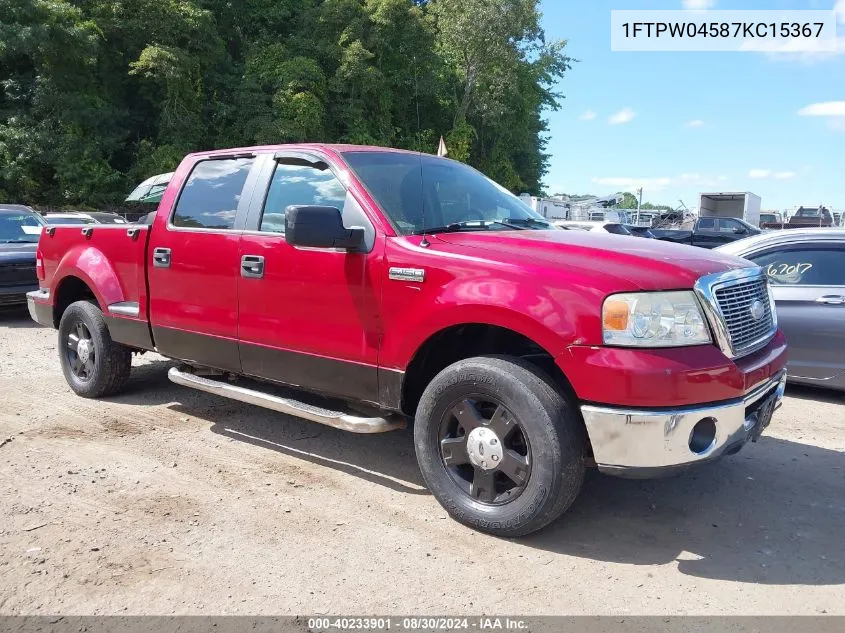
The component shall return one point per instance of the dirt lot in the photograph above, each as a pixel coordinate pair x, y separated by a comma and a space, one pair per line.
163, 500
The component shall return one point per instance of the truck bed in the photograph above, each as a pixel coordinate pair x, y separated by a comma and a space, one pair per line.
110, 260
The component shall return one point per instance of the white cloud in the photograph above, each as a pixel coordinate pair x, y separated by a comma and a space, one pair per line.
760, 174
625, 115
690, 179
698, 5
695, 123
833, 111
629, 184
826, 108
588, 115
839, 7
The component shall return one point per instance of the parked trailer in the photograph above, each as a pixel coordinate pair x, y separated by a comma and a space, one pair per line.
743, 205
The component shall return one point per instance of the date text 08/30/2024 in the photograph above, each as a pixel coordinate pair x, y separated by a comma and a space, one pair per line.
326, 624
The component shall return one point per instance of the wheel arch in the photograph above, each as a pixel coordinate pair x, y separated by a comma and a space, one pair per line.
457, 342
84, 273
68, 290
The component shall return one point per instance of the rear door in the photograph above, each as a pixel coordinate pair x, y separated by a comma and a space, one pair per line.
808, 282
728, 230
193, 263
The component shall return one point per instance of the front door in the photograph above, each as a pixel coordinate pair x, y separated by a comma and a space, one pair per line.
808, 282
308, 317
193, 267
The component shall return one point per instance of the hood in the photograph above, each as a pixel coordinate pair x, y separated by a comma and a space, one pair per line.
623, 260
17, 253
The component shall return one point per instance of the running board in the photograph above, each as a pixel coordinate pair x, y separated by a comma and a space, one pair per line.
336, 419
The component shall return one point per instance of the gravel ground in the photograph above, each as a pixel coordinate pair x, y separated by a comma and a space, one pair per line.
163, 500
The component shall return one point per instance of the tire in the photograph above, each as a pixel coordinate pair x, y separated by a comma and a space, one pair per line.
538, 444
105, 369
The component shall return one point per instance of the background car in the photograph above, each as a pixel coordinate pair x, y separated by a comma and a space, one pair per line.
806, 269
151, 190
601, 227
640, 231
20, 229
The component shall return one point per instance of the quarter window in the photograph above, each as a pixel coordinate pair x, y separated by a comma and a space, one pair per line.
804, 266
296, 184
210, 197
707, 224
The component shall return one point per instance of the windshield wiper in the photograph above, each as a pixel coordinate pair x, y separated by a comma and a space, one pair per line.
528, 221
468, 225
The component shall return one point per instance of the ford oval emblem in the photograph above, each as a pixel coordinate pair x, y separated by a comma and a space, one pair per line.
758, 311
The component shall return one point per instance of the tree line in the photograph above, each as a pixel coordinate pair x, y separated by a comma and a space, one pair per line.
96, 95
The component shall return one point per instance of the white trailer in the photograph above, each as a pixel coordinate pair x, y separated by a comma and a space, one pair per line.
547, 207
744, 205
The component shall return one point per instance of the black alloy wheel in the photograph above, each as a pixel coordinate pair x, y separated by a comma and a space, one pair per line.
499, 444
485, 450
80, 350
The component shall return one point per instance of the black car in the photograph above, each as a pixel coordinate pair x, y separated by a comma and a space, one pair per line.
20, 229
640, 231
709, 232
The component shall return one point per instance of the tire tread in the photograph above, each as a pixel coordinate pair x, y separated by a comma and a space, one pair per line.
116, 359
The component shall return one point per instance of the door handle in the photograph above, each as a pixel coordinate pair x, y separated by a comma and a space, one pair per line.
832, 300
161, 257
252, 266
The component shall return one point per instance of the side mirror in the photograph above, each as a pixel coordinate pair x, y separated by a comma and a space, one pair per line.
320, 227
739, 230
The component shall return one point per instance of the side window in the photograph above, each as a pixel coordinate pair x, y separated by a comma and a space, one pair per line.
804, 265
707, 224
299, 185
727, 225
210, 197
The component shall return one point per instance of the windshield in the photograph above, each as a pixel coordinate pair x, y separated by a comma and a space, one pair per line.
23, 228
419, 192
60, 220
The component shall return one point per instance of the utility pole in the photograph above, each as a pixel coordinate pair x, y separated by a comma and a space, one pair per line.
639, 204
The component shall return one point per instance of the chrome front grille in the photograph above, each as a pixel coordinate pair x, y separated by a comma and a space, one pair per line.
740, 310
735, 303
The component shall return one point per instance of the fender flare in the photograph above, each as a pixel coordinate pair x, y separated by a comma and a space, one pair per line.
89, 265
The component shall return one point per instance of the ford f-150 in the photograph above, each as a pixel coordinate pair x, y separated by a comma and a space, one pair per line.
364, 288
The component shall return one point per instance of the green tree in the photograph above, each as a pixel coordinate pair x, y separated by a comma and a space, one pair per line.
96, 95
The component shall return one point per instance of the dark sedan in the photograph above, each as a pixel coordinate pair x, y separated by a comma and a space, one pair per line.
806, 269
20, 230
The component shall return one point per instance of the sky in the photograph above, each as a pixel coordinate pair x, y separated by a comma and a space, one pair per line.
678, 124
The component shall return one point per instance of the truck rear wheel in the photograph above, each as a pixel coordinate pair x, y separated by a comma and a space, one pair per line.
499, 446
93, 364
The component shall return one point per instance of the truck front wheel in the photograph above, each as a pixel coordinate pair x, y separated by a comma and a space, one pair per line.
499, 446
93, 364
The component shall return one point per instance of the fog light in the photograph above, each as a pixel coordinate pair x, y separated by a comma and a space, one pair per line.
703, 436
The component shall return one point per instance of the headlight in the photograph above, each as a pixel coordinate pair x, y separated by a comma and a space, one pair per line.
654, 319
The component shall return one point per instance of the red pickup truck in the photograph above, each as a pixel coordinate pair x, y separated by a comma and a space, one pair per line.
387, 286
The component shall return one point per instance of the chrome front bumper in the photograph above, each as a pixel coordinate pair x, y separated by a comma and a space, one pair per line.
649, 443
